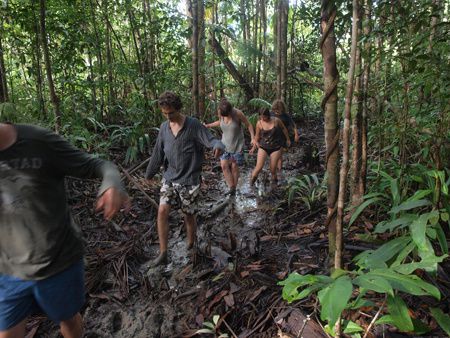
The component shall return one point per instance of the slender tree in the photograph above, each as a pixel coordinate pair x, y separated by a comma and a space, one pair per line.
357, 108
194, 51
329, 107
3, 81
48, 66
201, 59
281, 58
346, 138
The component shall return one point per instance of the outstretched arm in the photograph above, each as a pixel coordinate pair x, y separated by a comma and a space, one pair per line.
206, 139
212, 124
70, 161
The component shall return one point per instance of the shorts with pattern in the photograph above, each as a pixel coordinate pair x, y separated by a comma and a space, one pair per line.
180, 196
234, 157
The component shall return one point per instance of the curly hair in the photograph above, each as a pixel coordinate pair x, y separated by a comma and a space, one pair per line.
225, 107
279, 106
170, 99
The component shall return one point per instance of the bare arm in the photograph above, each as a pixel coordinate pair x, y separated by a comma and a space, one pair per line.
212, 124
285, 132
257, 137
249, 126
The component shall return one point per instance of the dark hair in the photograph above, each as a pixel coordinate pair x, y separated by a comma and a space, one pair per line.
279, 106
225, 107
170, 99
264, 112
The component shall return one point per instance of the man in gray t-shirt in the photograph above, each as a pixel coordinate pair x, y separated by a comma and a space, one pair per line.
179, 146
41, 249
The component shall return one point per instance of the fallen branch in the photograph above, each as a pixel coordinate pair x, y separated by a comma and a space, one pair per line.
132, 180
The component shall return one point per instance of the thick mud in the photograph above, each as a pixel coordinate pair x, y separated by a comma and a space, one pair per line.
246, 243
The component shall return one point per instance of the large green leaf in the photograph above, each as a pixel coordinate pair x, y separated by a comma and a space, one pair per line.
375, 283
442, 319
409, 268
441, 238
419, 194
384, 253
295, 281
361, 207
399, 313
334, 298
403, 254
395, 191
401, 222
409, 205
407, 283
418, 231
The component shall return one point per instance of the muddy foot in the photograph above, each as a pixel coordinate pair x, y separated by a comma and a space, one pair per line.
162, 259
231, 192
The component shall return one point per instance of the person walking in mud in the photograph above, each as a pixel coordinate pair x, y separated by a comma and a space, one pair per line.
41, 249
230, 122
180, 146
271, 135
279, 111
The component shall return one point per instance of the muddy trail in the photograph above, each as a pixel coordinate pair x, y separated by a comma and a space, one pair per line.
246, 244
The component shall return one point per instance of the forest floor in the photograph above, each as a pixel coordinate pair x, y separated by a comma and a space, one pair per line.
246, 244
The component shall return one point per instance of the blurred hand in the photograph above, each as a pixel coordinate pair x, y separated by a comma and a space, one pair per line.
252, 150
217, 152
296, 138
111, 201
288, 143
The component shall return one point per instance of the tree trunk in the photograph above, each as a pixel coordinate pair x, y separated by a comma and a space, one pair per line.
263, 48
357, 108
329, 107
367, 102
3, 80
346, 139
249, 94
36, 60
48, 67
201, 60
99, 55
281, 59
194, 51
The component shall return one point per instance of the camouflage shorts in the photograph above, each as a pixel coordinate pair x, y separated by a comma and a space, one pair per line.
180, 196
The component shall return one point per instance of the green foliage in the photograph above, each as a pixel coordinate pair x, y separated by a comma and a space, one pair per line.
306, 189
135, 137
212, 328
410, 202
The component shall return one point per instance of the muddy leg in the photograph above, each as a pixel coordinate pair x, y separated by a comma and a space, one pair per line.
226, 164
280, 162
73, 327
260, 159
15, 331
163, 233
191, 230
235, 174
274, 159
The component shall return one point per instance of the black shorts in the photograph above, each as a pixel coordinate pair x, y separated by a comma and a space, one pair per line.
269, 151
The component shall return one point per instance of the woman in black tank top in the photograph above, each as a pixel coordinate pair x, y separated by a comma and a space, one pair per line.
271, 135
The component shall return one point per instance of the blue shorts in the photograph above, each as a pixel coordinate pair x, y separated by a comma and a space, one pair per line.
234, 157
60, 296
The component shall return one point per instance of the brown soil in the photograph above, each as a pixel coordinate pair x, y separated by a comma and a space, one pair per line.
246, 244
